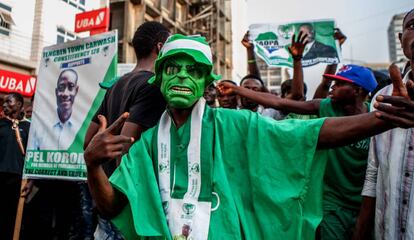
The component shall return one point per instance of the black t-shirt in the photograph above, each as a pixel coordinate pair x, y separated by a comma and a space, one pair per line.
11, 157
132, 93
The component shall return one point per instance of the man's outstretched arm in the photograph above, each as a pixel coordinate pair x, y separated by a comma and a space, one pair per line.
270, 100
101, 148
251, 58
322, 90
340, 131
393, 111
296, 49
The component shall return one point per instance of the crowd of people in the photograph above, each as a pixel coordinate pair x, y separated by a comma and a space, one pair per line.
250, 165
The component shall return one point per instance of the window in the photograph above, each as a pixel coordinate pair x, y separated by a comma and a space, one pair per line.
167, 4
6, 19
64, 36
180, 12
79, 4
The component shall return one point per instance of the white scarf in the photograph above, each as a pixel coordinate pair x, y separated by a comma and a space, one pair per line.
187, 211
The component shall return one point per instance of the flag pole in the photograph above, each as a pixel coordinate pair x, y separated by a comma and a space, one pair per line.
19, 213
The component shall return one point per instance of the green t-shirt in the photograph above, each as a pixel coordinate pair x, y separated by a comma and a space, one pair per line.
345, 169
267, 174
300, 116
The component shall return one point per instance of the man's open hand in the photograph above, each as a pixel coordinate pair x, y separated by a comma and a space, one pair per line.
397, 109
225, 88
107, 144
298, 45
338, 35
246, 42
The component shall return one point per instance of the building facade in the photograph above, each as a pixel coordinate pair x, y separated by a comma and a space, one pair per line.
272, 76
208, 18
395, 27
26, 27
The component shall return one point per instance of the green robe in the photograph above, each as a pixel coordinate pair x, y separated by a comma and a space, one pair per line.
266, 172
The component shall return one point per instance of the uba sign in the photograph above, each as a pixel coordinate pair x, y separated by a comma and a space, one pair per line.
16, 82
92, 20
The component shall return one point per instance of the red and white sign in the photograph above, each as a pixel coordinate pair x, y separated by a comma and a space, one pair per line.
95, 20
17, 82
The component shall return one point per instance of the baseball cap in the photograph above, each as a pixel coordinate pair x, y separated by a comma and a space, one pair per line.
357, 75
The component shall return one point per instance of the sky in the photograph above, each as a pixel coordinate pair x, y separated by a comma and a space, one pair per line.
364, 22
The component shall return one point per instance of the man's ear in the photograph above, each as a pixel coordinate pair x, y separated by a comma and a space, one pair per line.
158, 48
359, 91
399, 37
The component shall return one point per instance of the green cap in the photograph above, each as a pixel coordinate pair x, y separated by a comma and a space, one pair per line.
194, 46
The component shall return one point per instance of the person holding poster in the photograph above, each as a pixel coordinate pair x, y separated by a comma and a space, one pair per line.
66, 100
62, 130
11, 160
202, 166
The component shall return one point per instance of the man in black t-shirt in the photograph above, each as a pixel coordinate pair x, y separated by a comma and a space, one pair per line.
11, 161
131, 93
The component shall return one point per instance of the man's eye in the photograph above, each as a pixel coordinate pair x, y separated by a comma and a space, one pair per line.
195, 71
172, 70
411, 26
71, 87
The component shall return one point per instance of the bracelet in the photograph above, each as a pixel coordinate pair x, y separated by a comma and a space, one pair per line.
251, 61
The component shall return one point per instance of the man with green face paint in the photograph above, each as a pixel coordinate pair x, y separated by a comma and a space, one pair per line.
225, 174
184, 81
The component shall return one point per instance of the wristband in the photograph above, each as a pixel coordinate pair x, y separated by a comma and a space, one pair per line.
251, 61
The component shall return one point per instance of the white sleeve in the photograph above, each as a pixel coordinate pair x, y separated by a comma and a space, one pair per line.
370, 184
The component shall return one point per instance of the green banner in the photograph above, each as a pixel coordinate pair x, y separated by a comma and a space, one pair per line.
271, 42
67, 97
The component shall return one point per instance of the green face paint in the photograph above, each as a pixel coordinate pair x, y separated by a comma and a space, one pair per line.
183, 81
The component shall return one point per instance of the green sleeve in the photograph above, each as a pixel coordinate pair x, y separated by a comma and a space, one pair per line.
279, 175
135, 178
295, 170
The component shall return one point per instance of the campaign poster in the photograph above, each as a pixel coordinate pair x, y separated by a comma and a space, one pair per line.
271, 42
67, 96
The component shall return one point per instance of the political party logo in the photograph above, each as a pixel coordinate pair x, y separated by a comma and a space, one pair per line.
188, 208
286, 31
344, 68
162, 167
268, 41
195, 168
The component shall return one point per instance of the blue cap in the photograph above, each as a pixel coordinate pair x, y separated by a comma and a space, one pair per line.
357, 75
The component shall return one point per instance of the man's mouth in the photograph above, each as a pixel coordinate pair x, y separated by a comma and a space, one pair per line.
181, 90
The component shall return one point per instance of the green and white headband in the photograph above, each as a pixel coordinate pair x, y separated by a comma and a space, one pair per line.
193, 46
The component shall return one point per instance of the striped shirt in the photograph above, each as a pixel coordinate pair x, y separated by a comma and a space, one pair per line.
389, 178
